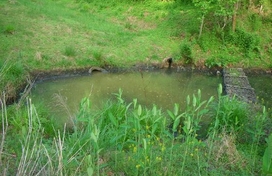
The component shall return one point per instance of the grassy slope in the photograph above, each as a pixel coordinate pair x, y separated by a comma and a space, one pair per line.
43, 31
40, 34
62, 34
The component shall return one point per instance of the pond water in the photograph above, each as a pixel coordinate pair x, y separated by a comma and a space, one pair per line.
263, 89
62, 96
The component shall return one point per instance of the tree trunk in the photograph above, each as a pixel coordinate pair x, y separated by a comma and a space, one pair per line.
201, 26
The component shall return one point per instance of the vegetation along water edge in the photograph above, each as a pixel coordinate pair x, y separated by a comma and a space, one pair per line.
44, 38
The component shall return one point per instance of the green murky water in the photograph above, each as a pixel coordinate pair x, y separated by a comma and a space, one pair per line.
263, 89
62, 96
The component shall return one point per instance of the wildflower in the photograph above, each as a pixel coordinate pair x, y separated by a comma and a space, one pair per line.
135, 149
191, 154
138, 165
158, 158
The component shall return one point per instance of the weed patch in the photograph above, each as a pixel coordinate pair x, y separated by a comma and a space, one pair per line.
69, 51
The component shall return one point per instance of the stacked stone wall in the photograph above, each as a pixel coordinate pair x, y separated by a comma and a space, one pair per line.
236, 83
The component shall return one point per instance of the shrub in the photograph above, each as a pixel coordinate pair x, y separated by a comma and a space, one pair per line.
220, 60
186, 53
246, 41
231, 114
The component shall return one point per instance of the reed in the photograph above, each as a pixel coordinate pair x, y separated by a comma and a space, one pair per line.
128, 138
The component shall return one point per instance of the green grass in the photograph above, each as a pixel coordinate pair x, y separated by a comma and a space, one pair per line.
50, 26
128, 138
69, 34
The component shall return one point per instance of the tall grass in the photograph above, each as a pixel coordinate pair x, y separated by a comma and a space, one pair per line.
129, 139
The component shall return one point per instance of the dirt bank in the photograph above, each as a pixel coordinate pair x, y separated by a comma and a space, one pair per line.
41, 75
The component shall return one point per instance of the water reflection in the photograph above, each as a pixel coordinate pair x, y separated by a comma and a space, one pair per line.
263, 88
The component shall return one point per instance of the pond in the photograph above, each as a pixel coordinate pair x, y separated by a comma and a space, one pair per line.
162, 88
263, 89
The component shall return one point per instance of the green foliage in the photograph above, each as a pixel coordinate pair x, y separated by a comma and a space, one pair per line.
98, 55
186, 53
11, 75
69, 51
267, 158
231, 114
9, 29
16, 71
220, 60
246, 41
256, 22
134, 140
125, 139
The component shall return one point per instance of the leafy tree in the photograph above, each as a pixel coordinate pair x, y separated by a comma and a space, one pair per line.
205, 6
221, 9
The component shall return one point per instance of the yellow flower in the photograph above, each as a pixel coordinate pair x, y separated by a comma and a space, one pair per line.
138, 165
158, 158
134, 149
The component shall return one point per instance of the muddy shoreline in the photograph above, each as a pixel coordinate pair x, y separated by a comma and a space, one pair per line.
42, 75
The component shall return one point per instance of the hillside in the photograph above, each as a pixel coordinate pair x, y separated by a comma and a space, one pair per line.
46, 35
127, 138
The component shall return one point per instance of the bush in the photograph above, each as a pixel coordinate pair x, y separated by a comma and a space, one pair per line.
231, 114
247, 42
219, 60
186, 53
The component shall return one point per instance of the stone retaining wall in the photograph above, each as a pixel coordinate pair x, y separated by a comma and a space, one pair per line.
235, 83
